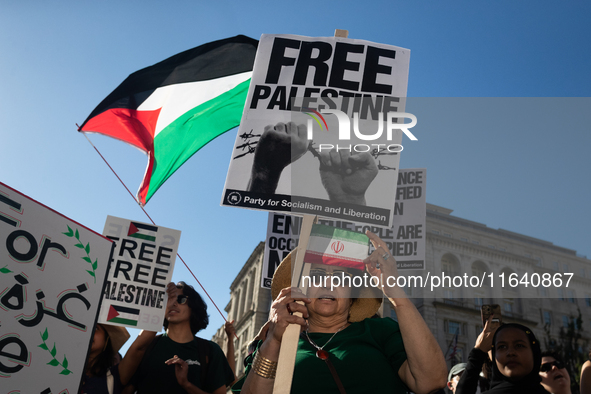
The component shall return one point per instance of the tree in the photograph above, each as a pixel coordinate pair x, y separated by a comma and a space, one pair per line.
570, 347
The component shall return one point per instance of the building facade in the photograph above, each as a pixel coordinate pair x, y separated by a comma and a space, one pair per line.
459, 247
249, 306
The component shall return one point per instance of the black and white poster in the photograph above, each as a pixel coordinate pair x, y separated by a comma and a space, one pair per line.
143, 262
322, 129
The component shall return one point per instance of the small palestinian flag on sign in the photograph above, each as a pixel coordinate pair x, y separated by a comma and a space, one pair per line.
335, 246
172, 109
116, 315
139, 230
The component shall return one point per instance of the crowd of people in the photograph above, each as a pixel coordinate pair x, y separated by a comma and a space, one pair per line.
507, 358
344, 347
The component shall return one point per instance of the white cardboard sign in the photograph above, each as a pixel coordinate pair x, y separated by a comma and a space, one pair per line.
52, 272
143, 261
277, 162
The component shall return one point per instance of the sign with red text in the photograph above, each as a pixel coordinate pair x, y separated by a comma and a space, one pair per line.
52, 272
143, 261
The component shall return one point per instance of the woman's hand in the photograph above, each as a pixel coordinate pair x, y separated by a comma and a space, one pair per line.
262, 334
424, 370
382, 265
283, 313
484, 340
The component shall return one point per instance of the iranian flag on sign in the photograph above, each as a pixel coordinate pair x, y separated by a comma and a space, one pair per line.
335, 246
172, 109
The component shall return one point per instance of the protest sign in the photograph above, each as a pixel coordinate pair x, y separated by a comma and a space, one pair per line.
307, 142
406, 238
142, 265
52, 275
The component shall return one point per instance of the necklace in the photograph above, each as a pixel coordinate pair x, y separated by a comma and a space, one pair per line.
320, 353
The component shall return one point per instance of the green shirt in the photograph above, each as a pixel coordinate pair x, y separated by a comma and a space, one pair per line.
154, 376
366, 355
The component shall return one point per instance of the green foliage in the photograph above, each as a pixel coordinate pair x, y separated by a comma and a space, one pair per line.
571, 348
71, 233
54, 362
5, 270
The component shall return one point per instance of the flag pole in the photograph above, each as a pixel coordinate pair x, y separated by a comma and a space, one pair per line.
151, 220
289, 342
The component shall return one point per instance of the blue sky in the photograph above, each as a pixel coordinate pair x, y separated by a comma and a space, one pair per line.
503, 108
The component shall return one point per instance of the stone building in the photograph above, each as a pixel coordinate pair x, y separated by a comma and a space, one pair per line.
457, 247
249, 306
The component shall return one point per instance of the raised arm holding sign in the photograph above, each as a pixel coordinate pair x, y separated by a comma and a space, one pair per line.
346, 177
350, 174
279, 146
341, 344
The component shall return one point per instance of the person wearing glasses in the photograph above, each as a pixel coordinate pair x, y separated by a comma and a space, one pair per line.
555, 377
178, 361
342, 348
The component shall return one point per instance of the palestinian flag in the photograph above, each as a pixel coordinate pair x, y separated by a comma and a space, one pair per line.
172, 109
141, 230
335, 246
123, 315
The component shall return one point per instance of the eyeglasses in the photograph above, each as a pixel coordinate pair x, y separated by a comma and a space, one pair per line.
548, 366
320, 273
182, 299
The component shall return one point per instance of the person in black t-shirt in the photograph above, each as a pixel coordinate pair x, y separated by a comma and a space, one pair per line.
179, 362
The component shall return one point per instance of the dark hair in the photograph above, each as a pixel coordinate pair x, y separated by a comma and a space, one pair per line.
534, 375
553, 354
199, 317
106, 359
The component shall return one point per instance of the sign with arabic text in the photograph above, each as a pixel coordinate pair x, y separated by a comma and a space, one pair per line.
52, 272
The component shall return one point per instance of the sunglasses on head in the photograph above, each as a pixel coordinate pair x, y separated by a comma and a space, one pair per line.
182, 299
548, 366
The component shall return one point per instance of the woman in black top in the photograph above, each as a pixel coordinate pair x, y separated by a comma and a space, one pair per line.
516, 361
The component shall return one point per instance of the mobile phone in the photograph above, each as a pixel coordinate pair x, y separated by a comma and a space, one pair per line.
492, 309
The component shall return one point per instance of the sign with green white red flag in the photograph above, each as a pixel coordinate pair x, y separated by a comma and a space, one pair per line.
335, 246
172, 109
406, 239
141, 267
52, 272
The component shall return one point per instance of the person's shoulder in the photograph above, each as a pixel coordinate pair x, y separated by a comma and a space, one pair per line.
381, 329
213, 347
381, 323
208, 342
